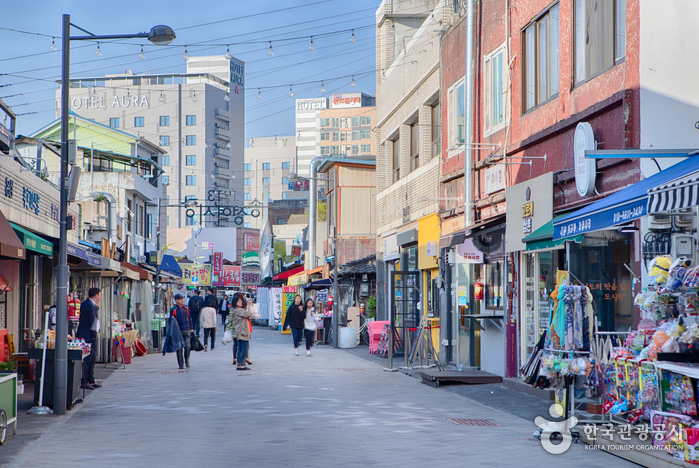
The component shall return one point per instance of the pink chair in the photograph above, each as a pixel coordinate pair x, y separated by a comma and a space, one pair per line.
375, 329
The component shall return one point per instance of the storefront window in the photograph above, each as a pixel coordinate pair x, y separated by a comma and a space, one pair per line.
412, 258
468, 340
599, 264
493, 285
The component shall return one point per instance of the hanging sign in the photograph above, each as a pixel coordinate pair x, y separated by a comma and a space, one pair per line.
585, 168
218, 263
230, 275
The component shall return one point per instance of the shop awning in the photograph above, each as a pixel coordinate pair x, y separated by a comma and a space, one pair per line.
542, 238
679, 194
320, 284
455, 238
170, 265
623, 206
10, 245
286, 274
32, 241
142, 274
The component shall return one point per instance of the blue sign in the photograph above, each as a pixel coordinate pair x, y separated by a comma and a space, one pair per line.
323, 295
602, 219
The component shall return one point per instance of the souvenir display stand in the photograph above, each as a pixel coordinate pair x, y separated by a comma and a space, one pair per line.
644, 380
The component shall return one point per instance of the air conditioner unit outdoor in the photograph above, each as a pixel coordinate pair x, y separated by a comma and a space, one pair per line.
661, 222
141, 259
684, 220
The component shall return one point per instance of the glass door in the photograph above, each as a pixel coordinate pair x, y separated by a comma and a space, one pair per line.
539, 278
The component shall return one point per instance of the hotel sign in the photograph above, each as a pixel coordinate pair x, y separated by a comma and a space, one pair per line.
91, 102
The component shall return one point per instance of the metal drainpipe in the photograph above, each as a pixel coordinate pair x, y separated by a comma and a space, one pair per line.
313, 215
468, 117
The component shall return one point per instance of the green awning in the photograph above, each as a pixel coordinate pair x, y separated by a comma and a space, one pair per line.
33, 241
542, 238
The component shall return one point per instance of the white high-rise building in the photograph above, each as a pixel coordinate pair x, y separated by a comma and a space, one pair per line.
198, 117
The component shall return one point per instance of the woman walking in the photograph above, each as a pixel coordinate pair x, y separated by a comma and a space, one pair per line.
208, 322
241, 330
309, 325
235, 340
295, 317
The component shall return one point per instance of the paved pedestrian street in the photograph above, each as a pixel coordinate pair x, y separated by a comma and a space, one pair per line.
333, 409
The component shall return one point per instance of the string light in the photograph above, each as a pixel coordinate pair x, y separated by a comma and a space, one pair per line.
311, 47
228, 53
53, 45
352, 39
186, 54
393, 28
259, 94
94, 92
194, 96
161, 98
270, 52
98, 52
142, 56
353, 84
322, 87
291, 91
227, 97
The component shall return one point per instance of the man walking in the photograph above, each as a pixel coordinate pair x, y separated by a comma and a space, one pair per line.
184, 320
224, 308
88, 330
196, 304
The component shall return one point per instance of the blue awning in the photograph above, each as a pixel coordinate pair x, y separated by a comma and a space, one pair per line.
624, 206
169, 264
320, 284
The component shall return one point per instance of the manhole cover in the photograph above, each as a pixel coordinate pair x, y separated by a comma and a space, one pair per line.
354, 370
473, 422
174, 372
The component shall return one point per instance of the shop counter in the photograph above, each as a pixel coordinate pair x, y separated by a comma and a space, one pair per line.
75, 357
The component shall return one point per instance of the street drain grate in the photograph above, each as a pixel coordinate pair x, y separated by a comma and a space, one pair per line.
354, 370
473, 422
174, 372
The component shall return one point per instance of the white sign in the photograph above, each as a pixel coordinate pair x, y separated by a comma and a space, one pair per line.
237, 70
468, 253
341, 101
276, 299
311, 104
98, 102
495, 178
585, 168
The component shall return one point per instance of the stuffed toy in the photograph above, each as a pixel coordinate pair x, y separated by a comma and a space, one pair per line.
658, 270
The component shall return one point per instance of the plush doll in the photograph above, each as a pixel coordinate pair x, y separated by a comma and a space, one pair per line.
658, 270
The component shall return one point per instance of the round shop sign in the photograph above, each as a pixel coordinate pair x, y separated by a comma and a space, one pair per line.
585, 168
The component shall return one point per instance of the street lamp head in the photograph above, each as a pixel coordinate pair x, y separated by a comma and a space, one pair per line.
292, 176
161, 35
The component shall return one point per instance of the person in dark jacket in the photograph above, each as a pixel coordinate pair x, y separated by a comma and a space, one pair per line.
224, 308
184, 320
88, 330
196, 304
295, 316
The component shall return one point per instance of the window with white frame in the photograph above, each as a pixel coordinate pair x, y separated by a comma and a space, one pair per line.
265, 181
246, 167
164, 140
247, 181
166, 180
265, 166
324, 150
355, 121
324, 122
599, 36
336, 122
164, 120
541, 59
366, 134
455, 98
191, 160
246, 196
495, 84
414, 146
396, 160
191, 180
286, 165
366, 120
355, 149
356, 135
139, 121
325, 136
366, 148
190, 140
166, 160
336, 136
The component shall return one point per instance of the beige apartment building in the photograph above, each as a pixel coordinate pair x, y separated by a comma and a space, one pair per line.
346, 128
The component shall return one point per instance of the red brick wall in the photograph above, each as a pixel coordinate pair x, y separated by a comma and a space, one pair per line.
352, 248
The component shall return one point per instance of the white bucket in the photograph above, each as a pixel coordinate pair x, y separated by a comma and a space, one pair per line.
347, 337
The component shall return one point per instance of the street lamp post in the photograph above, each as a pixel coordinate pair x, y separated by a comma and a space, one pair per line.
291, 176
159, 35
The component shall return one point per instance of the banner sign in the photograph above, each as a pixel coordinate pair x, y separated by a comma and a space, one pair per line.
289, 294
230, 275
250, 278
252, 242
277, 304
218, 263
199, 275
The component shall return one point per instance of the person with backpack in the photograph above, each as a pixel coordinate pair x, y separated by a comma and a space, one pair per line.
196, 304
181, 312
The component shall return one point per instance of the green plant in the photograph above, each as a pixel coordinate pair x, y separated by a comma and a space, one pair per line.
371, 307
100, 198
8, 366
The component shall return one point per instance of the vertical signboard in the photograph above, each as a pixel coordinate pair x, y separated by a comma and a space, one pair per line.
218, 263
277, 305
230, 276
252, 242
289, 294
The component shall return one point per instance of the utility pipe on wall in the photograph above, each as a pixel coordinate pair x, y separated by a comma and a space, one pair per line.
468, 117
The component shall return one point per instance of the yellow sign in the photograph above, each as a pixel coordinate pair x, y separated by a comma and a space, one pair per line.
528, 210
199, 275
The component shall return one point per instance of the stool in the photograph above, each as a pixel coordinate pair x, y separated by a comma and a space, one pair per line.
21, 359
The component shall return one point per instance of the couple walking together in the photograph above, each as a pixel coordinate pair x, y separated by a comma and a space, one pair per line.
302, 320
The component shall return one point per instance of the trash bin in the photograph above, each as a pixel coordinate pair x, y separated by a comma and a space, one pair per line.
347, 337
75, 357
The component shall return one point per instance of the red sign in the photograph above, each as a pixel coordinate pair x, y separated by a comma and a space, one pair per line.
230, 275
218, 263
252, 242
288, 289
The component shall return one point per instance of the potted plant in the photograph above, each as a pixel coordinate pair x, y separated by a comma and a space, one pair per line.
8, 367
371, 307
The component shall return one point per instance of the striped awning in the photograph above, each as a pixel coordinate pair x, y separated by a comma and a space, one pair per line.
678, 194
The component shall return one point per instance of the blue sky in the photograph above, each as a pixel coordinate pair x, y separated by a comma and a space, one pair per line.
32, 69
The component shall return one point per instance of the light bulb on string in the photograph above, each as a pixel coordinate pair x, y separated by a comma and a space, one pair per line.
227, 97
291, 91
161, 98
353, 84
259, 94
186, 54
194, 96
270, 52
322, 87
352, 39
142, 56
53, 45
128, 93
94, 93
311, 47
228, 53
393, 28
98, 52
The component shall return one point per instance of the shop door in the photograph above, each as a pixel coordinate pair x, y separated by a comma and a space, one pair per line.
469, 334
539, 275
405, 315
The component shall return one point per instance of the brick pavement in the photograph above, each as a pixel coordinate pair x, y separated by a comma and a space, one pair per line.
287, 411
